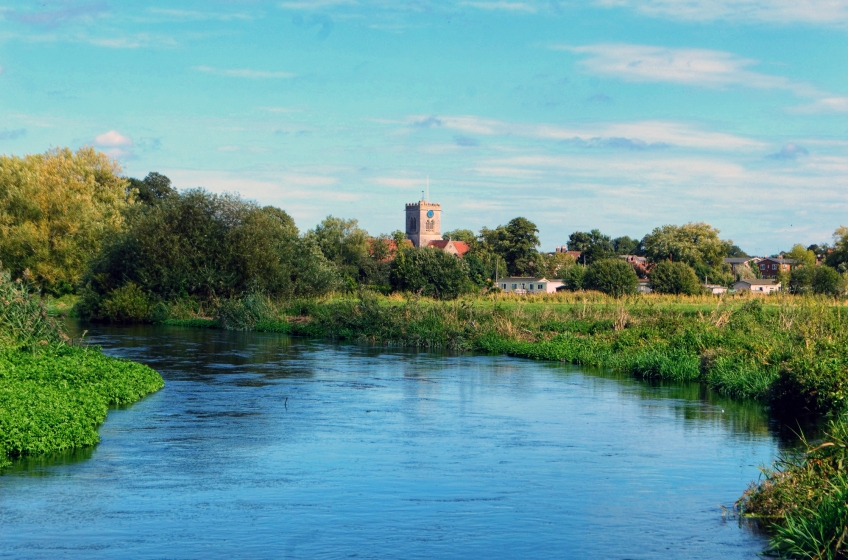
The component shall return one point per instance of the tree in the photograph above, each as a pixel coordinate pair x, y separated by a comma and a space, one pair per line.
611, 276
572, 277
692, 243
736, 251
430, 272
594, 245
626, 245
516, 243
204, 245
827, 281
152, 189
801, 279
342, 241
56, 210
838, 258
674, 278
464, 235
555, 264
803, 257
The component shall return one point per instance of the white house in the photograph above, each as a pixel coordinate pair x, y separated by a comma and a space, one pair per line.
715, 289
757, 286
526, 285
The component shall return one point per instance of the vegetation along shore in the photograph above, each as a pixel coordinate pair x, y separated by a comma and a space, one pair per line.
129, 250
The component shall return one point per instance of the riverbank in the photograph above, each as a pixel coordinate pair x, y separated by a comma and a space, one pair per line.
55, 393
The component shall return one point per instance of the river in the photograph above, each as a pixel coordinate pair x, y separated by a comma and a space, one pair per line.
265, 446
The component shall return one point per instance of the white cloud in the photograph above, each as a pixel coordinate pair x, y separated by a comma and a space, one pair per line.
697, 67
824, 105
631, 135
198, 16
243, 73
315, 4
114, 144
400, 182
112, 139
824, 12
502, 6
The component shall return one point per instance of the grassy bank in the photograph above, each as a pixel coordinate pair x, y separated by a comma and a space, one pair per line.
54, 393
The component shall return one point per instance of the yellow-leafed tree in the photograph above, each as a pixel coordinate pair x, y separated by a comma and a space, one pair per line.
55, 211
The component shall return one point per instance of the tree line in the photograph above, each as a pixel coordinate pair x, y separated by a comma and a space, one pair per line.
75, 224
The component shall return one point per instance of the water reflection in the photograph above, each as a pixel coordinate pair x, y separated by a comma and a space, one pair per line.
265, 446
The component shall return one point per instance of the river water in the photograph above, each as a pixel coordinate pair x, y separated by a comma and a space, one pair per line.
265, 446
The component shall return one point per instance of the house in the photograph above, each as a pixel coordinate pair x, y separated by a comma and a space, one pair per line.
757, 286
715, 289
770, 267
634, 259
456, 248
526, 285
564, 249
644, 286
737, 263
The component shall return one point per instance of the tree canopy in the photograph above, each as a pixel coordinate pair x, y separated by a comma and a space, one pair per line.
611, 276
430, 272
56, 209
670, 277
692, 243
593, 244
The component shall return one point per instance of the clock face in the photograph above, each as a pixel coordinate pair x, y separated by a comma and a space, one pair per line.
429, 213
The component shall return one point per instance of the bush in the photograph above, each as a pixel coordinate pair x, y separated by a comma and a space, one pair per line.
127, 304
572, 277
201, 245
674, 278
430, 272
826, 281
611, 276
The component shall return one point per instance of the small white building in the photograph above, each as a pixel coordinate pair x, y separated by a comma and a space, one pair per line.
715, 289
526, 285
757, 285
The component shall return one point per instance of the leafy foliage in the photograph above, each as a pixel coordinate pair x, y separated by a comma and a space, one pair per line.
674, 278
56, 210
430, 272
594, 245
611, 276
198, 244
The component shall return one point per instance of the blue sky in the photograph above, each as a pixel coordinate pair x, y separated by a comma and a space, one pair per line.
616, 114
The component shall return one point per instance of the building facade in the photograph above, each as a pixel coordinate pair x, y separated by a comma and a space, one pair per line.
757, 286
526, 285
423, 223
769, 268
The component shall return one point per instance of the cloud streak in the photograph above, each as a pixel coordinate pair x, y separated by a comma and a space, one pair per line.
820, 12
244, 73
694, 67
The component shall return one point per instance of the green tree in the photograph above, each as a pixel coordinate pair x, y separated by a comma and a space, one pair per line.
518, 246
152, 189
430, 272
626, 245
555, 264
802, 256
736, 251
692, 243
572, 277
204, 245
593, 244
464, 235
801, 279
611, 276
674, 278
827, 281
56, 210
342, 241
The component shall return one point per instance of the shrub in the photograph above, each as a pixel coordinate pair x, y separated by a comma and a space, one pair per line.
611, 276
826, 281
430, 272
24, 323
674, 278
572, 277
128, 303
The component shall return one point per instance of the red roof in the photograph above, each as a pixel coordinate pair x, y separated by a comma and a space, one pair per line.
460, 246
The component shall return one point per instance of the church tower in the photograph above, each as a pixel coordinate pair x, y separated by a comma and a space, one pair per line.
423, 222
